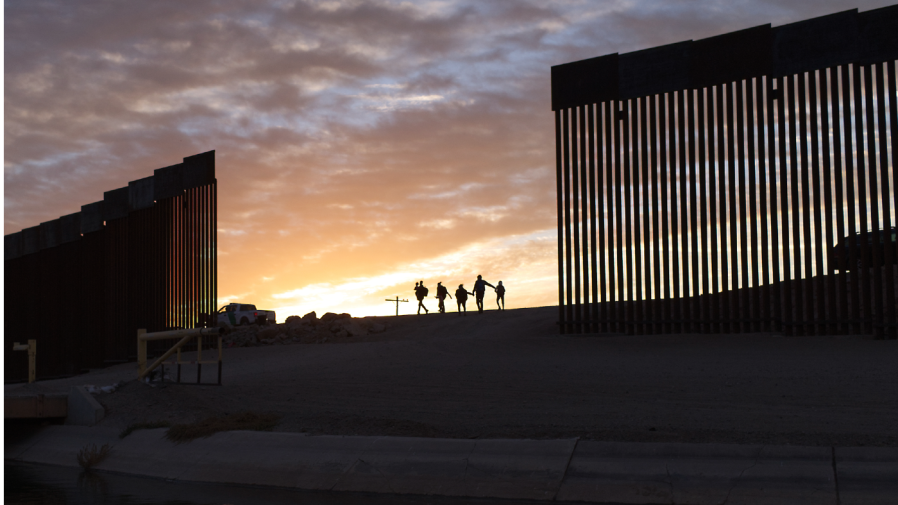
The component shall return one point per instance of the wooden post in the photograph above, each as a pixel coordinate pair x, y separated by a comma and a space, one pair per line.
199, 357
187, 335
31, 347
165, 356
396, 301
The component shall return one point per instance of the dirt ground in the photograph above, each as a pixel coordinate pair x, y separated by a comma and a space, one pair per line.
511, 375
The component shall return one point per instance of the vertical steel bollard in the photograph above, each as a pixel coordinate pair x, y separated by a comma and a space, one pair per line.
199, 357
219, 360
141, 351
32, 360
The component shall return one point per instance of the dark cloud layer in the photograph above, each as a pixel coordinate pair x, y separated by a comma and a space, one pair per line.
352, 137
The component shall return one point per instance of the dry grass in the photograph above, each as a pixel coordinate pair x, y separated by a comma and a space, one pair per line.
90, 455
144, 426
212, 425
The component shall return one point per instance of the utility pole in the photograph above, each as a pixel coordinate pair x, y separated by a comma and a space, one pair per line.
396, 301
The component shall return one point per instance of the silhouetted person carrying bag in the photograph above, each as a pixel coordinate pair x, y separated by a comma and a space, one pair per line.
461, 297
442, 293
500, 295
420, 294
479, 289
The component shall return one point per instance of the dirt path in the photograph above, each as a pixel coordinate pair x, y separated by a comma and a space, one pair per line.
511, 375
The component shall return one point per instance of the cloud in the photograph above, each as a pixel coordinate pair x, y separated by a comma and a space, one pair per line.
353, 139
524, 263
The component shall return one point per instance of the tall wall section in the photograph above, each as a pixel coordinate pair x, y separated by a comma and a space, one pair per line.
739, 183
143, 257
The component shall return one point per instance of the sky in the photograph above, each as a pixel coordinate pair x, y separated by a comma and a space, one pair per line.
360, 146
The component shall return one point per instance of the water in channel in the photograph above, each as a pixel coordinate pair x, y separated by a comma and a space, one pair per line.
31, 484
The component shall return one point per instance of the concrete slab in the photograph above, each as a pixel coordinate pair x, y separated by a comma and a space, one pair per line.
83, 408
783, 474
399, 465
513, 469
522, 469
59, 445
867, 475
621, 472
410, 465
149, 453
14, 448
561, 470
274, 459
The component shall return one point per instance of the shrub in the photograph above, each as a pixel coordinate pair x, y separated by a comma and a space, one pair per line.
212, 425
90, 455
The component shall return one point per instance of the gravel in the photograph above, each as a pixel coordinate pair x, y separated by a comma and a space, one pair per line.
511, 375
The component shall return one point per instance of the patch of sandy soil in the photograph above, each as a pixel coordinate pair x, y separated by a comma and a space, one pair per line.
511, 375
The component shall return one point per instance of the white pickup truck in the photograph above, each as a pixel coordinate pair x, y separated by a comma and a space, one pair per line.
238, 314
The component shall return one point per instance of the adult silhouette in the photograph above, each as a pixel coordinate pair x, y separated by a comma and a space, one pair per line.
420, 294
461, 297
479, 289
500, 295
442, 293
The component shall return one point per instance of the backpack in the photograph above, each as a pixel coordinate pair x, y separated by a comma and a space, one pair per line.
424, 290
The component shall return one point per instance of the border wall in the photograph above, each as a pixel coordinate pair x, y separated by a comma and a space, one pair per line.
143, 257
709, 185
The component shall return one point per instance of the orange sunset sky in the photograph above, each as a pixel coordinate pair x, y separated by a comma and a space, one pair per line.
360, 145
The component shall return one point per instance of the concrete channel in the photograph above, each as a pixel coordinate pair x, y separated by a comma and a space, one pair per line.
567, 470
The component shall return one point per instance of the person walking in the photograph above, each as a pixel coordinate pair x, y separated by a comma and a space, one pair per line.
420, 294
500, 295
479, 289
461, 297
442, 293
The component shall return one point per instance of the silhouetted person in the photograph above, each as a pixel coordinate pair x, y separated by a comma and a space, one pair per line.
442, 293
420, 294
461, 297
479, 289
500, 295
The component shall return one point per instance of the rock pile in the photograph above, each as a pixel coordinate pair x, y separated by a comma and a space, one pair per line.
308, 329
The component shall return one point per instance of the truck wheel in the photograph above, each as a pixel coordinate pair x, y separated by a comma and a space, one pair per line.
244, 321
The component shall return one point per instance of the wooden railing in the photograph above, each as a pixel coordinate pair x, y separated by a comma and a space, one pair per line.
186, 336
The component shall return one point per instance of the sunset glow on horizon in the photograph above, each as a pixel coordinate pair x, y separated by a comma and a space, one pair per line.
361, 146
